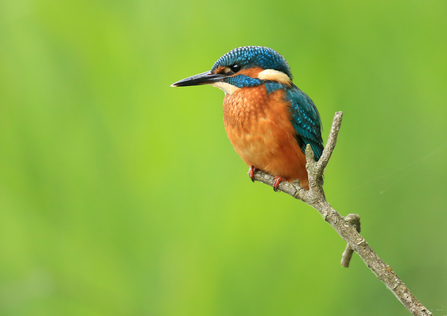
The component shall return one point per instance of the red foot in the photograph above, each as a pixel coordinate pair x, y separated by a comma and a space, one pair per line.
276, 182
251, 173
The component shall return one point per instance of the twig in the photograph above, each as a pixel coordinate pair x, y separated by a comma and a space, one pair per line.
344, 226
353, 220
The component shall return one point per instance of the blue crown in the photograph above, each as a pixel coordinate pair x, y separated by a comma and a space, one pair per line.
250, 56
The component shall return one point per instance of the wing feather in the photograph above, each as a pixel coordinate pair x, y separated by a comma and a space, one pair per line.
306, 120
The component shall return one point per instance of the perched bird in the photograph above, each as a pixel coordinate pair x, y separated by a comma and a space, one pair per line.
267, 118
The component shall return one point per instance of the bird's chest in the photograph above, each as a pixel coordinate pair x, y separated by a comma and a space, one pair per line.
244, 109
256, 121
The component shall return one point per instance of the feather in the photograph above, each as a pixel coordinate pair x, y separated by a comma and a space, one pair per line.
305, 120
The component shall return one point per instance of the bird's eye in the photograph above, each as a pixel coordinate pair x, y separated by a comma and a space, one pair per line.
235, 68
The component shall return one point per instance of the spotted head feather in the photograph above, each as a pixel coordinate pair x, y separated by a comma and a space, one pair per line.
254, 56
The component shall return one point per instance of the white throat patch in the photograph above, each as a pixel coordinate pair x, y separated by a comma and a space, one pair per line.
225, 87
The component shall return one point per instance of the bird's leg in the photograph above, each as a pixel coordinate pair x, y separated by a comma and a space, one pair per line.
251, 173
276, 182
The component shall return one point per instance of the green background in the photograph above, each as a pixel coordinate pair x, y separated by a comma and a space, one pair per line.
120, 195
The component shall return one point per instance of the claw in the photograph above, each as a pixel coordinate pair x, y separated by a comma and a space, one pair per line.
276, 182
251, 173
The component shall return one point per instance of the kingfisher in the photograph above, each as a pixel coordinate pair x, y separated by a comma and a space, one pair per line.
268, 119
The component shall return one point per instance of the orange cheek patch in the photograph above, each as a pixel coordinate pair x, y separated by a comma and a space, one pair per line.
219, 70
251, 72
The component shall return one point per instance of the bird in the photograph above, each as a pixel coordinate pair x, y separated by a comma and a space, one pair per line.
268, 119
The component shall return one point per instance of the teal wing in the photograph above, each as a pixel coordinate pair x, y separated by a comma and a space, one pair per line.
305, 120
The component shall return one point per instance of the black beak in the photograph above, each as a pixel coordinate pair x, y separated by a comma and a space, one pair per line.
203, 78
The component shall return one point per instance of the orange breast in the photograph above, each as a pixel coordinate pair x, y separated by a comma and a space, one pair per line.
258, 125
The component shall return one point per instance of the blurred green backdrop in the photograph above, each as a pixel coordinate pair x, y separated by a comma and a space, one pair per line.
122, 196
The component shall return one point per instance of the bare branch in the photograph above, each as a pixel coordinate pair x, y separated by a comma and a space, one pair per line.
348, 228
